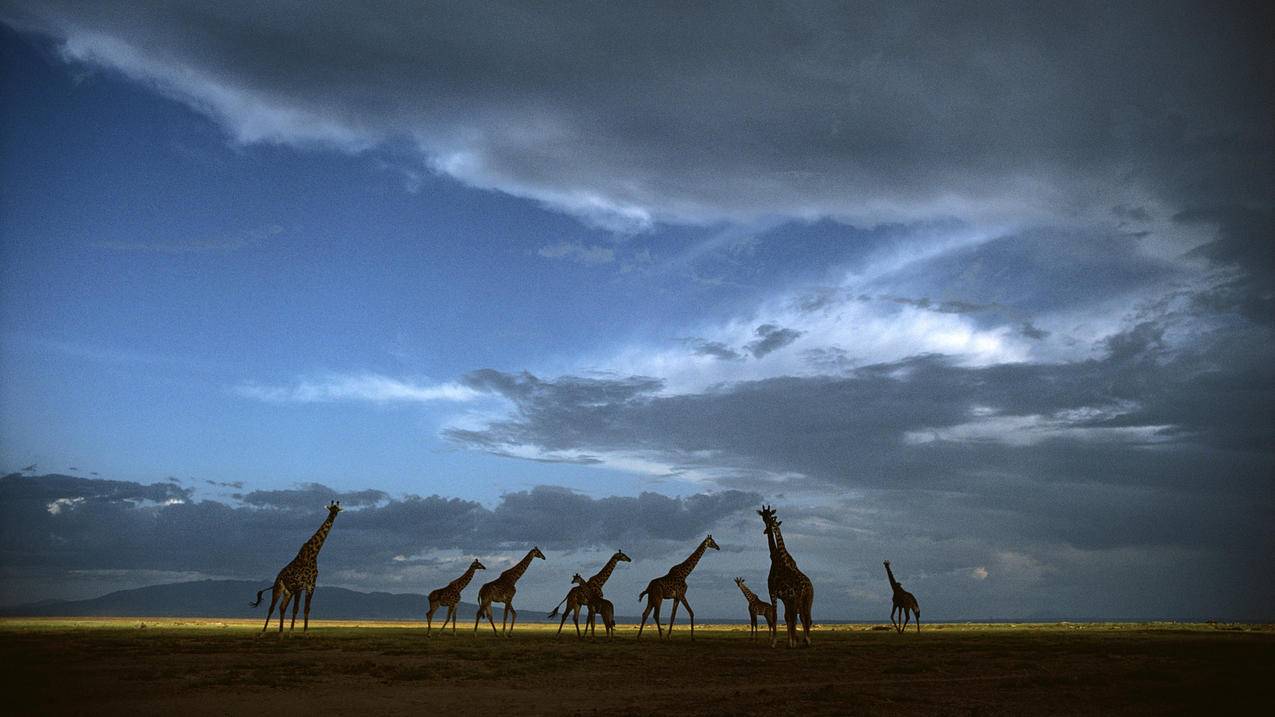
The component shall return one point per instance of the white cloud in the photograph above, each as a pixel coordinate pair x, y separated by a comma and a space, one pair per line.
63, 504
579, 253
989, 426
358, 387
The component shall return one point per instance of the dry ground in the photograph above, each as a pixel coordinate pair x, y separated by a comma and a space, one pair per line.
195, 667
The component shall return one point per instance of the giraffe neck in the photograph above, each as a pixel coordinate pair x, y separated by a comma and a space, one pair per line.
752, 597
780, 551
685, 567
600, 579
460, 582
518, 569
310, 550
890, 574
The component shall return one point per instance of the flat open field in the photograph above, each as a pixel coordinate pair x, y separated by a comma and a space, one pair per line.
194, 666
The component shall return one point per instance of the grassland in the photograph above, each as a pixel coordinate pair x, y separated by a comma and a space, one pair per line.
196, 667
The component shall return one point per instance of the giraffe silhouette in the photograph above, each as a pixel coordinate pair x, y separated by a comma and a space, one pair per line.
449, 595
299, 576
902, 602
757, 606
672, 586
502, 590
600, 606
786, 582
583, 594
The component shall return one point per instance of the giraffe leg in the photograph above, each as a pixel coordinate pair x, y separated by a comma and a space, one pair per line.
806, 619
645, 613
753, 617
274, 599
283, 608
672, 616
790, 618
429, 619
575, 617
451, 615
658, 626
564, 621
918, 620
774, 626
907, 616
478, 616
513, 617
691, 613
492, 621
296, 606
309, 595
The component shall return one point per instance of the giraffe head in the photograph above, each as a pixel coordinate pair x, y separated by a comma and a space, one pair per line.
334, 507
768, 517
577, 580
477, 565
621, 557
739, 582
535, 553
710, 543
885, 563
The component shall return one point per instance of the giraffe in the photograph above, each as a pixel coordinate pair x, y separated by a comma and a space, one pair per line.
449, 595
672, 586
299, 576
903, 602
606, 610
502, 590
757, 606
590, 590
786, 582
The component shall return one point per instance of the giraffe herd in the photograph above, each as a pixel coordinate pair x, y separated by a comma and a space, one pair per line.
785, 583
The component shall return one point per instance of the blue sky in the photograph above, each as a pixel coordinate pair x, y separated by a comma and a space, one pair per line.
999, 314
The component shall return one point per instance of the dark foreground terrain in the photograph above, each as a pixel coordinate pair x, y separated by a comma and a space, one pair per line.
190, 667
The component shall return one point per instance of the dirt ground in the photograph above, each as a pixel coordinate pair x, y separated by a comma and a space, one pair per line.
197, 667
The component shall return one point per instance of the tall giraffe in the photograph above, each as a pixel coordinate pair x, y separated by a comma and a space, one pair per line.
757, 606
449, 595
786, 582
903, 601
672, 586
299, 576
582, 595
502, 590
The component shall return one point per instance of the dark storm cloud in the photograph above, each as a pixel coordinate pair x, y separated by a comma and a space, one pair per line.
628, 112
771, 339
310, 494
716, 349
1106, 444
98, 525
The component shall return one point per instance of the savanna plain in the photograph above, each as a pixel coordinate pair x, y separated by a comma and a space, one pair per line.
196, 666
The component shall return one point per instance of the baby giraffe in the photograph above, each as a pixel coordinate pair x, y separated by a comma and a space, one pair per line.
757, 606
903, 602
598, 605
449, 596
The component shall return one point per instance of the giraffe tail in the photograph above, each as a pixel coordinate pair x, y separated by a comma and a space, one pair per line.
555, 610
641, 595
258, 600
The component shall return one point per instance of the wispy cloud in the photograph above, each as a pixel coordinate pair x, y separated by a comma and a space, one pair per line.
356, 387
591, 254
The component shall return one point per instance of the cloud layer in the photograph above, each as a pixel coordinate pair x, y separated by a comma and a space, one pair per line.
630, 114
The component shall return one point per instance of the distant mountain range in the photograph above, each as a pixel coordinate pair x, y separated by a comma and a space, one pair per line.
230, 598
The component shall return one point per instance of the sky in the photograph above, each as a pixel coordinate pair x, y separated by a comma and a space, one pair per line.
985, 290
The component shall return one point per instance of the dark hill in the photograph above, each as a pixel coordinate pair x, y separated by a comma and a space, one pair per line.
230, 598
